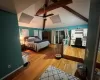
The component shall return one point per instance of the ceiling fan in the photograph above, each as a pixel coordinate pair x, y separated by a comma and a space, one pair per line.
45, 13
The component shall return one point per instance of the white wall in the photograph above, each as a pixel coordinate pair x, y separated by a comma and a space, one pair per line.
67, 18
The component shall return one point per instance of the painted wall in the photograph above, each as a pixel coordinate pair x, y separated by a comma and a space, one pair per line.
31, 30
68, 27
10, 49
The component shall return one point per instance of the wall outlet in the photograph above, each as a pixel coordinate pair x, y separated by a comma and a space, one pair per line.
9, 66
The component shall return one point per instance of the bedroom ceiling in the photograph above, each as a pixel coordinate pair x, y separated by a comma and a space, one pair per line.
30, 7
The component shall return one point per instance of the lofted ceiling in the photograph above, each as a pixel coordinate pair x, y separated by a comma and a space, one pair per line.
30, 7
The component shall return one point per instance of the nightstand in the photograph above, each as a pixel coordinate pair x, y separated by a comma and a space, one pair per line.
81, 71
23, 47
58, 51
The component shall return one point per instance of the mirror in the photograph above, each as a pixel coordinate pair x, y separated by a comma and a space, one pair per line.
97, 68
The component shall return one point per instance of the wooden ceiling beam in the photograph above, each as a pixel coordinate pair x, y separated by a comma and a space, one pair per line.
54, 1
54, 6
45, 13
75, 13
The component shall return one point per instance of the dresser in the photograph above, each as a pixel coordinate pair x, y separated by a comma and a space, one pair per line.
79, 33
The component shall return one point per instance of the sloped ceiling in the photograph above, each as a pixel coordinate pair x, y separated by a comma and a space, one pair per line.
7, 5
30, 7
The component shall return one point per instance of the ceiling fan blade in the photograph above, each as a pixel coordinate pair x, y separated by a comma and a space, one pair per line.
44, 22
49, 15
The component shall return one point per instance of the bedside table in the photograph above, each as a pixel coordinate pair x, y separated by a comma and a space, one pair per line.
23, 47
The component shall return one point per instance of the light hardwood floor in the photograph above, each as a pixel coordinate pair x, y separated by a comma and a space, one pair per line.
39, 62
75, 52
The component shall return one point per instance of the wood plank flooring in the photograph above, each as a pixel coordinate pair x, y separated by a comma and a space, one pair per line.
38, 63
75, 52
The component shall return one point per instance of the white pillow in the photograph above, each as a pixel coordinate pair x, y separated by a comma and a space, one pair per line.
31, 37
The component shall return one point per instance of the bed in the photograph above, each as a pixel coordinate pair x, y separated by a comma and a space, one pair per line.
36, 43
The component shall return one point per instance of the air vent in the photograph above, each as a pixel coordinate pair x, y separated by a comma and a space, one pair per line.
25, 18
55, 19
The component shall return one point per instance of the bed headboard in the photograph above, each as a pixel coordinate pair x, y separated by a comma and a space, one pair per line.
25, 38
35, 37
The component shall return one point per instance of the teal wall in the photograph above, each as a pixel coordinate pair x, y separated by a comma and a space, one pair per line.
10, 49
69, 27
31, 30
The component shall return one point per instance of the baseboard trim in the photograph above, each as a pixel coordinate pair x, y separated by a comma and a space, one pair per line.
11, 72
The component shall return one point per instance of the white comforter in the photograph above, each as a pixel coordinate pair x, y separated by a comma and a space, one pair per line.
37, 46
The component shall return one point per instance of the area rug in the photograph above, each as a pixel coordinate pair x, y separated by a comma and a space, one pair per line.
53, 73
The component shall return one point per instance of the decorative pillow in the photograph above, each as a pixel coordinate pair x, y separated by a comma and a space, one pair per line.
37, 39
31, 37
30, 40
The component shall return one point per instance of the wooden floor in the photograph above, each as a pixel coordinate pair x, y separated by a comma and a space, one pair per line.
39, 62
75, 52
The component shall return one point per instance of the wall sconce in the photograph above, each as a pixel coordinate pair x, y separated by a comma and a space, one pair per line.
21, 40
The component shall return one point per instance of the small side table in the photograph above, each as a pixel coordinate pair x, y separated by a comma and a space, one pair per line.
59, 51
81, 71
23, 47
25, 59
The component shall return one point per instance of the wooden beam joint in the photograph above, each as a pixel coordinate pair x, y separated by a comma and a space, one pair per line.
54, 6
